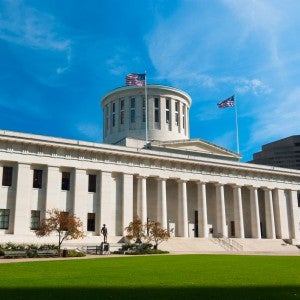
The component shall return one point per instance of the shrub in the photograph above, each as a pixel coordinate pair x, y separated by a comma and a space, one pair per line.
75, 253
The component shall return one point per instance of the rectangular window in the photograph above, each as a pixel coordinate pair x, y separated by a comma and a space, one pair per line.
156, 109
106, 118
4, 218
92, 183
91, 222
37, 179
177, 113
65, 181
122, 113
7, 176
35, 219
298, 199
65, 220
113, 114
183, 116
132, 110
167, 110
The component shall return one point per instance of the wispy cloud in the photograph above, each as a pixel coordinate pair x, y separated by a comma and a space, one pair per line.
27, 27
245, 47
279, 119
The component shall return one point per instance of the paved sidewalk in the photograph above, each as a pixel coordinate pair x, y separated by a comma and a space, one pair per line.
89, 256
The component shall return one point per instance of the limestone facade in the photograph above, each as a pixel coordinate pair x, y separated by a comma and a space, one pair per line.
191, 196
192, 187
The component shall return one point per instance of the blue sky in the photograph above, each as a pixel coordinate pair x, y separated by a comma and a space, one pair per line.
59, 57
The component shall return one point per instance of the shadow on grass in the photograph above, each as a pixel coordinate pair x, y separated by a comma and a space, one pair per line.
289, 292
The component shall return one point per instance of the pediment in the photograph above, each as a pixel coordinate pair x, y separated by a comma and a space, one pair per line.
197, 147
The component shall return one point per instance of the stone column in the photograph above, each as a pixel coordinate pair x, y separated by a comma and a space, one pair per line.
221, 213
142, 199
105, 203
182, 209
280, 214
295, 216
238, 212
162, 203
80, 196
269, 212
255, 219
127, 200
53, 189
22, 204
202, 210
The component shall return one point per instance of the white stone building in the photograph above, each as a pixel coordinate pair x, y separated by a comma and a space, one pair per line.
194, 188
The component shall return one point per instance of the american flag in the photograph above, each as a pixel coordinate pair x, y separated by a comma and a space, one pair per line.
135, 79
227, 102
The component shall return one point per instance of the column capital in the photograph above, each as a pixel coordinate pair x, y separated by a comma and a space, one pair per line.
198, 182
219, 184
182, 180
161, 178
235, 185
252, 187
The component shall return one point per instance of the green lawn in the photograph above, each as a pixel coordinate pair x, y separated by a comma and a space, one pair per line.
154, 277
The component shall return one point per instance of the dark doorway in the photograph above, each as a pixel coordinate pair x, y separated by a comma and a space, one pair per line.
196, 234
232, 228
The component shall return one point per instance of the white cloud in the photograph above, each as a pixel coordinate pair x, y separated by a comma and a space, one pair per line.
27, 27
256, 86
279, 119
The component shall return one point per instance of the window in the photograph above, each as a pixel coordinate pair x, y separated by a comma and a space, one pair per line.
64, 220
106, 118
132, 110
156, 109
113, 114
176, 113
168, 110
122, 113
298, 199
91, 222
65, 181
35, 219
7, 176
92, 183
4, 218
37, 179
183, 116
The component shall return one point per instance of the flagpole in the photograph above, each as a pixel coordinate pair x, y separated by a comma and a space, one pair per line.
146, 110
237, 127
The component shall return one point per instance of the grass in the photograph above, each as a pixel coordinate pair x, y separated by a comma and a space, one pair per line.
154, 277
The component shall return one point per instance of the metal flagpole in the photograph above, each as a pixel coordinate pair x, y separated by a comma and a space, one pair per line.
146, 110
237, 127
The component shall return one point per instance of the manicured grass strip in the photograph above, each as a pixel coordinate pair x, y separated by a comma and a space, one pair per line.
160, 277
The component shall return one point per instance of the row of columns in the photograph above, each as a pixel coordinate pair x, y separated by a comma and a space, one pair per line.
274, 209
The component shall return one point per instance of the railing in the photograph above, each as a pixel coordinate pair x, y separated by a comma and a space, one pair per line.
229, 244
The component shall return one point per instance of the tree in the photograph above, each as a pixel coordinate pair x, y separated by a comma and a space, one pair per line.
157, 234
136, 230
67, 225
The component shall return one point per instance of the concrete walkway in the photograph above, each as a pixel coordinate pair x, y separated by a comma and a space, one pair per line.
89, 256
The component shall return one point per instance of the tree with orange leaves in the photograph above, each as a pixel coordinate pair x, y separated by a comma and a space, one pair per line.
65, 224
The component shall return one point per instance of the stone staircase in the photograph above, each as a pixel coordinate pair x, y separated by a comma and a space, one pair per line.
229, 246
178, 245
267, 245
191, 245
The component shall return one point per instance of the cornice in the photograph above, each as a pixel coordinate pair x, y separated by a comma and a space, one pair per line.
22, 143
